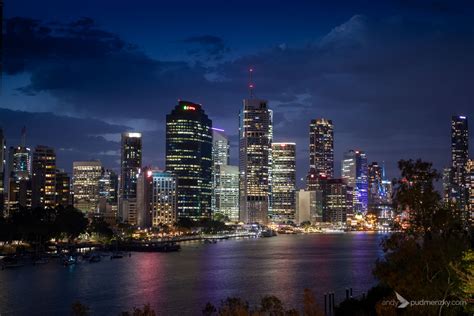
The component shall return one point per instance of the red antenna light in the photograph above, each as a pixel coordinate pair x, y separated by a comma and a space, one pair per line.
251, 85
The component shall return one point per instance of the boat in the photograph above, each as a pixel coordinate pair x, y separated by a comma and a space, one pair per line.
116, 255
10, 263
69, 260
95, 257
210, 241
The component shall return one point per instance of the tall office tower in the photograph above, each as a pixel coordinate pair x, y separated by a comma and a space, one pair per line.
20, 161
108, 195
459, 158
131, 162
337, 200
220, 147
63, 188
19, 193
86, 176
225, 178
108, 186
375, 188
226, 191
321, 151
43, 180
130, 165
283, 182
189, 158
3, 148
255, 132
470, 184
164, 198
144, 198
354, 172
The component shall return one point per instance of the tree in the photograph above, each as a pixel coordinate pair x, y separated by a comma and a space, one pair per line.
146, 311
70, 222
78, 309
100, 227
418, 263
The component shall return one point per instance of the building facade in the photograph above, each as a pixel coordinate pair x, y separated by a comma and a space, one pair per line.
63, 188
43, 180
255, 145
355, 174
283, 182
309, 206
226, 191
189, 158
86, 176
458, 189
130, 165
337, 200
321, 148
163, 198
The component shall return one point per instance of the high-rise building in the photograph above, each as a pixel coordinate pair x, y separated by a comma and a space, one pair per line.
225, 178
354, 173
3, 148
459, 157
220, 147
20, 161
130, 165
131, 162
86, 176
43, 180
321, 148
144, 198
226, 191
375, 187
164, 198
63, 188
255, 145
309, 206
189, 158
283, 182
108, 195
470, 184
337, 200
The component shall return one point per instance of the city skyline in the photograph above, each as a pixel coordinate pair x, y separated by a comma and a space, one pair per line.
87, 126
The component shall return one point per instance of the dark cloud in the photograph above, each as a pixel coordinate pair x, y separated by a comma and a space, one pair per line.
73, 138
207, 47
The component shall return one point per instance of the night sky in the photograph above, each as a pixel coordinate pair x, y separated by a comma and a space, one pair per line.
389, 74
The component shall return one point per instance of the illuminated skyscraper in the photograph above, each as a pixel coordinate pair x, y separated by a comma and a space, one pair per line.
375, 187
321, 147
3, 148
283, 182
470, 184
459, 157
130, 164
255, 132
163, 198
220, 147
20, 161
337, 200
354, 173
225, 178
44, 177
86, 176
189, 158
108, 195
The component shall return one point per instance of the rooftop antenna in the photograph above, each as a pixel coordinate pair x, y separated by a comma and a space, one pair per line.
23, 136
251, 85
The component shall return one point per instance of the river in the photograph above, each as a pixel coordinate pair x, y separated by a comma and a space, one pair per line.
182, 283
